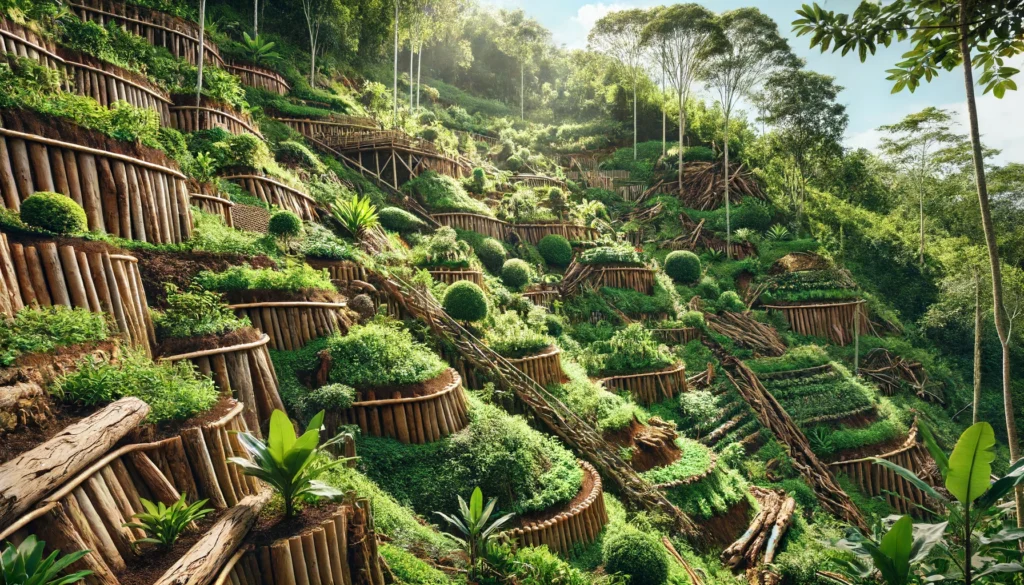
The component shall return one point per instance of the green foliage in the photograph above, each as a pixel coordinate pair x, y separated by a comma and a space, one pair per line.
441, 249
24, 565
516, 274
53, 212
695, 460
699, 410
399, 220
478, 183
536, 565
211, 234
380, 354
40, 330
284, 224
730, 301
822, 397
465, 301
604, 410
523, 206
355, 215
290, 465
619, 253
797, 358
259, 51
409, 569
441, 193
510, 337
556, 250
195, 313
174, 392
293, 276
631, 349
321, 244
330, 397
163, 524
698, 154
475, 524
638, 555
641, 168
683, 266
491, 254
713, 495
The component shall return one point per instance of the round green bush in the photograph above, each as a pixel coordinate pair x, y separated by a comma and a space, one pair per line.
399, 220
730, 301
492, 254
284, 224
752, 214
555, 250
683, 266
698, 153
465, 301
429, 134
637, 555
515, 273
54, 212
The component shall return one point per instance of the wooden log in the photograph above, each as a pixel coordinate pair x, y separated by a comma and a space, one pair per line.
57, 530
207, 483
30, 476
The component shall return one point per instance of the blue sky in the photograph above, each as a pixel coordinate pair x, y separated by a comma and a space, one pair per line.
867, 92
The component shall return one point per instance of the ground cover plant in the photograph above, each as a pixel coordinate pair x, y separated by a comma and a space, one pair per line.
631, 349
381, 354
441, 193
510, 337
194, 313
293, 277
38, 330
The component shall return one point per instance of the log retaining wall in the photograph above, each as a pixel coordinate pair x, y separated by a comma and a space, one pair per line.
482, 224
209, 114
291, 325
650, 387
545, 368
273, 192
344, 271
535, 232
215, 205
451, 276
259, 78
208, 448
677, 335
543, 297
640, 279
832, 321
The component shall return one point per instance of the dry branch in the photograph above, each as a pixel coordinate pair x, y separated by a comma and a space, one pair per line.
747, 332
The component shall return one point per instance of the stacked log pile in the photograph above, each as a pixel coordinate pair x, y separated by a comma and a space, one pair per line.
545, 368
765, 532
747, 332
292, 324
703, 186
890, 372
650, 387
275, 193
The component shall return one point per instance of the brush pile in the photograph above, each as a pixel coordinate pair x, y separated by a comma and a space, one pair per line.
704, 185
890, 372
746, 332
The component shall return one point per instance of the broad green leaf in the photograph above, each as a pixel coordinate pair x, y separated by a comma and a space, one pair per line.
926, 536
970, 464
911, 477
281, 436
897, 545
1002, 486
1002, 568
476, 504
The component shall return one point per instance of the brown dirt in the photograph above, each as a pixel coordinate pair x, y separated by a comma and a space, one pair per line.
866, 451
180, 345
651, 446
272, 526
44, 367
179, 268
798, 262
79, 244
721, 531
282, 296
146, 568
408, 390
149, 433
28, 437
585, 489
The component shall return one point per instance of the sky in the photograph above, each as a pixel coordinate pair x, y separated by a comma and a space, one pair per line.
867, 93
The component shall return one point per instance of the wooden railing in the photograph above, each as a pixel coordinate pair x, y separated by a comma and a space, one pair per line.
331, 130
537, 181
638, 278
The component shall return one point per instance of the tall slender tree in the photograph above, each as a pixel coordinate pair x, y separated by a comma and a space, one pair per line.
751, 49
683, 37
943, 34
620, 35
202, 52
521, 38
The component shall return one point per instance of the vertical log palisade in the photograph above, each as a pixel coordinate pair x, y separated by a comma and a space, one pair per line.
275, 193
291, 325
831, 321
650, 387
259, 77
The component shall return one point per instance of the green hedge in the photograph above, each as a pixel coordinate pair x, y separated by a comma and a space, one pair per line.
381, 354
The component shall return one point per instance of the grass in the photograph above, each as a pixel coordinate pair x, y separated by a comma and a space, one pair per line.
695, 460
38, 330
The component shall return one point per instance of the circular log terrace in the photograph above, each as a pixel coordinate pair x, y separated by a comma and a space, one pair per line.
452, 275
676, 335
832, 321
416, 419
209, 114
243, 371
342, 271
275, 193
290, 325
577, 527
650, 387
122, 195
215, 205
638, 278
544, 297
177, 35
45, 274
545, 368
208, 448
535, 232
259, 77
86, 75
537, 181
482, 224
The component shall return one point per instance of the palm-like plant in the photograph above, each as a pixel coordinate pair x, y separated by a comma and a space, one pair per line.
474, 524
355, 215
164, 524
290, 464
25, 565
259, 52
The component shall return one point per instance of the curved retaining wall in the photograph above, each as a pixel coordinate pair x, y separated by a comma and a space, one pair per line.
537, 181
832, 321
543, 297
208, 448
274, 192
215, 205
482, 224
10, 295
650, 387
340, 270
209, 114
85, 75
640, 279
580, 526
292, 324
243, 371
545, 368
259, 78
535, 232
45, 274
451, 276
330, 131
179, 36
419, 419
122, 195
677, 335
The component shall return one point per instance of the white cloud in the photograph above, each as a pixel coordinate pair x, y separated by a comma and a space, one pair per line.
574, 34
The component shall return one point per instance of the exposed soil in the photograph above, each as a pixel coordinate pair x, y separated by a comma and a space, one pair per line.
659, 370
44, 367
866, 451
149, 566
721, 531
272, 526
407, 390
652, 445
798, 262
79, 244
531, 517
179, 268
27, 437
149, 433
180, 345
281, 296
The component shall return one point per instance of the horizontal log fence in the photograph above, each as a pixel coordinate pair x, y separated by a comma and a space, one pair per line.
482, 224
638, 278
250, 218
344, 271
417, 419
676, 335
650, 387
451, 276
177, 35
259, 78
537, 181
832, 321
84, 74
573, 529
122, 195
599, 173
631, 192
545, 368
276, 193
489, 140
210, 115
535, 232
215, 205
243, 371
43, 274
291, 325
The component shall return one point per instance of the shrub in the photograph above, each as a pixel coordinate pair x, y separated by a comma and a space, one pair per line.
510, 337
555, 250
699, 409
619, 253
753, 214
399, 220
492, 254
630, 349
54, 212
37, 330
516, 273
284, 224
698, 153
293, 277
636, 554
708, 288
692, 319
442, 248
730, 301
380, 354
320, 243
478, 183
356, 214
194, 313
465, 301
332, 397
212, 235
683, 266
443, 193
429, 134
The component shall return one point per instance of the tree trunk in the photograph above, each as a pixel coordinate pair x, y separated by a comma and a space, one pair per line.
31, 476
522, 90
394, 97
682, 127
419, 74
412, 63
921, 219
202, 51
664, 115
998, 309
634, 117
728, 204
256, 18
312, 60
977, 343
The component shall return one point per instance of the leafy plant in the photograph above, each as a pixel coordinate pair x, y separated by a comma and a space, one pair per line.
288, 463
284, 225
619, 253
164, 524
475, 524
510, 337
465, 301
355, 215
381, 354
777, 232
555, 249
294, 276
53, 212
25, 565
36, 330
259, 52
516, 274
195, 312
441, 249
